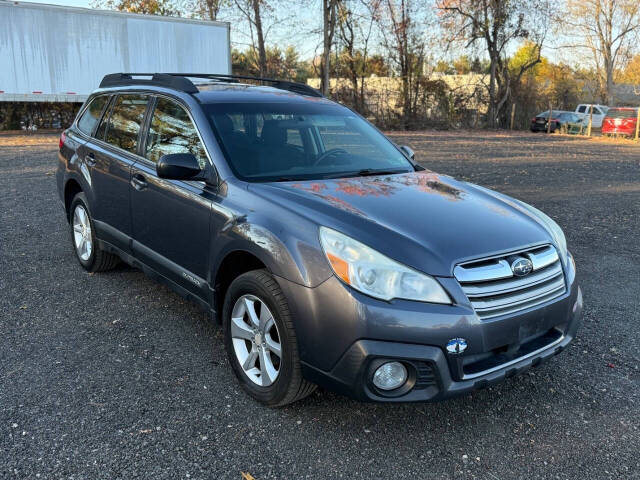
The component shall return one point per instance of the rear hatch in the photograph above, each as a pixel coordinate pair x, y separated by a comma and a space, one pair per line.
620, 120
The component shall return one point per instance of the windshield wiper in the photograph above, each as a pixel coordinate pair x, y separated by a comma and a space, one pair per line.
366, 172
284, 179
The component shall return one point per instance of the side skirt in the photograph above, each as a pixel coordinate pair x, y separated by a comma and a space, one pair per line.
151, 273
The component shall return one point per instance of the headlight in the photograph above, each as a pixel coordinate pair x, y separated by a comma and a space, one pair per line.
372, 273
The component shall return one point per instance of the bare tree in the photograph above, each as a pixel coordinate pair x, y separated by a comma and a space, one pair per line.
607, 29
497, 24
329, 18
402, 27
252, 11
356, 19
209, 9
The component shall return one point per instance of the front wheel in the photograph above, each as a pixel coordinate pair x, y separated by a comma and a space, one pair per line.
261, 342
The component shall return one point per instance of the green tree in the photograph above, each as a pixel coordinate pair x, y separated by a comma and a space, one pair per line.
462, 65
279, 64
444, 67
146, 7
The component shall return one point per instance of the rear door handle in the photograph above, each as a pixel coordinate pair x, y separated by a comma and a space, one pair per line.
138, 182
90, 159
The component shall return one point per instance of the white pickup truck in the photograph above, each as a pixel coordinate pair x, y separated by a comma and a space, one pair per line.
599, 112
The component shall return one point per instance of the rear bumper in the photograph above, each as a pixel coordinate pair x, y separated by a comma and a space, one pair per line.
536, 127
619, 131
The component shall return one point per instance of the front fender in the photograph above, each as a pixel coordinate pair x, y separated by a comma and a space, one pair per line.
288, 254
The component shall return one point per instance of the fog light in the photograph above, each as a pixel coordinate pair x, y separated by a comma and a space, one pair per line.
390, 376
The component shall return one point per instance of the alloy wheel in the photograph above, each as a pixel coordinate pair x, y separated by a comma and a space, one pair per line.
82, 233
256, 340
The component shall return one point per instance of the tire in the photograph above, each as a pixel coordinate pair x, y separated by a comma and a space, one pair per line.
92, 258
288, 386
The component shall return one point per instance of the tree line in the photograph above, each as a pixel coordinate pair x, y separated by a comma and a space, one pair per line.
593, 45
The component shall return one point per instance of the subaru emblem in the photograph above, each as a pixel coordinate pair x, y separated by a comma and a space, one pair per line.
521, 267
456, 345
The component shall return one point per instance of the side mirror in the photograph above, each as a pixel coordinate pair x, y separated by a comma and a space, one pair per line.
408, 152
179, 166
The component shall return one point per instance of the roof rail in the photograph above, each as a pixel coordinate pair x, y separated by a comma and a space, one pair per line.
159, 79
180, 81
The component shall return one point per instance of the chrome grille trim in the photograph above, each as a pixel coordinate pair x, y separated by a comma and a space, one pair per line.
494, 271
543, 258
513, 283
494, 290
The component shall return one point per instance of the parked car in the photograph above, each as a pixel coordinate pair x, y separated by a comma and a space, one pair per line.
599, 111
326, 252
560, 121
620, 121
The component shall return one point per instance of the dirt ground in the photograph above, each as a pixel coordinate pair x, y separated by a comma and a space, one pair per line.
113, 376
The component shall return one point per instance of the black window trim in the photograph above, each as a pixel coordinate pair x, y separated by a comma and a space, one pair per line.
144, 126
106, 116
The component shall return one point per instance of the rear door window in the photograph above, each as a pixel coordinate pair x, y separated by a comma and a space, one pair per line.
92, 114
125, 121
582, 108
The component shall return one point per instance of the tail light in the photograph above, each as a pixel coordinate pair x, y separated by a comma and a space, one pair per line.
63, 138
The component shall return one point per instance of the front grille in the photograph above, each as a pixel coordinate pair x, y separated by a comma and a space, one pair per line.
494, 290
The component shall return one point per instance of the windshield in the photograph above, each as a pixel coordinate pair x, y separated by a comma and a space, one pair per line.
556, 114
294, 141
622, 113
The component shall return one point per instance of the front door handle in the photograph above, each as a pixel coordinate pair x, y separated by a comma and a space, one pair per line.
138, 182
90, 159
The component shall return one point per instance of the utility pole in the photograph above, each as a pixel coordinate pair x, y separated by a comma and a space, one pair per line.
590, 120
513, 114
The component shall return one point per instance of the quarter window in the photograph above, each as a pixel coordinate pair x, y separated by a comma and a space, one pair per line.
125, 120
173, 132
92, 114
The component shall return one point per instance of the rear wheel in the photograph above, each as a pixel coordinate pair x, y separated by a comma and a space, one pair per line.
261, 342
83, 237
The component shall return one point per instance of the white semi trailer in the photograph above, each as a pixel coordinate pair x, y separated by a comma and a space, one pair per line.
50, 53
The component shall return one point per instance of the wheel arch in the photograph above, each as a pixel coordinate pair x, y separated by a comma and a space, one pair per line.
71, 188
233, 264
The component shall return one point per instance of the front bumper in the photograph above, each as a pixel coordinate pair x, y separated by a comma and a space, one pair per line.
343, 336
431, 378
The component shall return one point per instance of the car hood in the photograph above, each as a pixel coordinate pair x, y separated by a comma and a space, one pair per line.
422, 219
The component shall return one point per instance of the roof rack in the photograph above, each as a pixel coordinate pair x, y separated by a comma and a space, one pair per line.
180, 81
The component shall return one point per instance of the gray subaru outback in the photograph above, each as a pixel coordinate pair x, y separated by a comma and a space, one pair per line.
329, 256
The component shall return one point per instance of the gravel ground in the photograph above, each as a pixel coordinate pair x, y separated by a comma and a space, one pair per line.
113, 376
